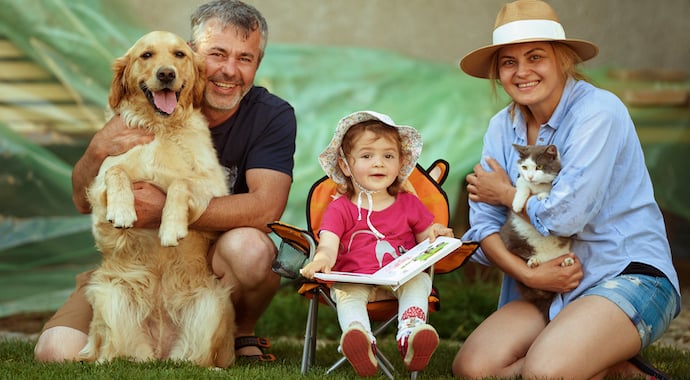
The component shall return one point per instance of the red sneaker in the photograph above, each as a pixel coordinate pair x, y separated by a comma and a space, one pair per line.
359, 351
417, 347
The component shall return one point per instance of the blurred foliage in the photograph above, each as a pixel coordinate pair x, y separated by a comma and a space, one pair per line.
76, 40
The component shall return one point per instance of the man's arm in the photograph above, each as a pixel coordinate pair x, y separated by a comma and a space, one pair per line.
264, 203
113, 139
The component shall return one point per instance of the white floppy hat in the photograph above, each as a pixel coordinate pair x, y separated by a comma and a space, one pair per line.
523, 21
410, 139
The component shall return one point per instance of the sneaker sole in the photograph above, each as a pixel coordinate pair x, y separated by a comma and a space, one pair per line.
362, 360
421, 347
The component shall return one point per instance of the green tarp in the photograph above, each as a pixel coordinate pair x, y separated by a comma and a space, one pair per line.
44, 242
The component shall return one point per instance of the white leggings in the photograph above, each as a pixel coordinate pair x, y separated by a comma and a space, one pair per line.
351, 299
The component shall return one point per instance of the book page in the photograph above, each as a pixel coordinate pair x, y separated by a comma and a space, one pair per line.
397, 272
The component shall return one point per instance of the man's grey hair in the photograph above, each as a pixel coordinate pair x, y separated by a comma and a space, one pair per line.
234, 13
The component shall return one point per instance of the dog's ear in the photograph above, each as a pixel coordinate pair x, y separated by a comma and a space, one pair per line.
118, 87
200, 82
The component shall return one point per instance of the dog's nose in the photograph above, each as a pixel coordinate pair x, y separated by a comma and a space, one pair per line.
165, 75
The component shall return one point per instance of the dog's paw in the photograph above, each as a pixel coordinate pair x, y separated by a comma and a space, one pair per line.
88, 353
170, 236
121, 217
533, 262
568, 262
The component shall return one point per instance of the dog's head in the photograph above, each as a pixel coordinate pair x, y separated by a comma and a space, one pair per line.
160, 70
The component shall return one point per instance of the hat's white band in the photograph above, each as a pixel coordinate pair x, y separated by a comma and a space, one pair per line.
528, 29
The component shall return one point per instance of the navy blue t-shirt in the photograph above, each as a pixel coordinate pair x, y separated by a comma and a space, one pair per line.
260, 135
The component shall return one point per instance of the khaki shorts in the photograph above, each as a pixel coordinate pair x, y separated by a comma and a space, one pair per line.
76, 312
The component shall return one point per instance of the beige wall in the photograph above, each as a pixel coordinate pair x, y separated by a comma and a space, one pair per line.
630, 33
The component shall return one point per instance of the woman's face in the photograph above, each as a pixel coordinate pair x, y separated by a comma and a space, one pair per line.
530, 75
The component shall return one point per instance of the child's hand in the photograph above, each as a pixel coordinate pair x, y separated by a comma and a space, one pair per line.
438, 229
324, 257
318, 265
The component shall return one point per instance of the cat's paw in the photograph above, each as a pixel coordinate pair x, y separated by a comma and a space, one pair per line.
542, 195
568, 262
517, 206
533, 262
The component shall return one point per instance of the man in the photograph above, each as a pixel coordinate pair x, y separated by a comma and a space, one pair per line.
254, 134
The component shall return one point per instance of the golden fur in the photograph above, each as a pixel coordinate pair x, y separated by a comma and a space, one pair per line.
154, 296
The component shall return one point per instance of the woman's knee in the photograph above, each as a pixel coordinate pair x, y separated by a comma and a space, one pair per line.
470, 364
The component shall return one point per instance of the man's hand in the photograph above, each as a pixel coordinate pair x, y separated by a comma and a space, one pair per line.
148, 203
492, 187
111, 140
115, 138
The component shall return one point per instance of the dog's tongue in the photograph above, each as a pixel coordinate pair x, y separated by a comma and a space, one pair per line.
166, 101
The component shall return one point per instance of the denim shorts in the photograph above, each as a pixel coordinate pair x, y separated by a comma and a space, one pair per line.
650, 302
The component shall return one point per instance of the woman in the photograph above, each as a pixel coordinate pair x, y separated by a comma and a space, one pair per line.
622, 292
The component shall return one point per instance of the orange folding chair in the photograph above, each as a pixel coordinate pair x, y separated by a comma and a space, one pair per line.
298, 246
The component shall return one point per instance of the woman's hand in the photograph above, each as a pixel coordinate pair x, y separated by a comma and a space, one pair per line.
549, 276
553, 277
492, 187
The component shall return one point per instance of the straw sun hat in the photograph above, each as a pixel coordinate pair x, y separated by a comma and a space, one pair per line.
523, 21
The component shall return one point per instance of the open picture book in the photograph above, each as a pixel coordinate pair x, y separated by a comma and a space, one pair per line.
398, 271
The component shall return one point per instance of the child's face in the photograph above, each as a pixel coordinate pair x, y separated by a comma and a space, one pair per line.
375, 161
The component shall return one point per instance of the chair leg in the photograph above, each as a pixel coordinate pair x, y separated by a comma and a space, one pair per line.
309, 350
337, 364
385, 365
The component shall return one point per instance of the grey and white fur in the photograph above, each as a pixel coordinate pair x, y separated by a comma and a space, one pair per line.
538, 166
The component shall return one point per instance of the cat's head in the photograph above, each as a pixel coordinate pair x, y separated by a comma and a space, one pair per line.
538, 163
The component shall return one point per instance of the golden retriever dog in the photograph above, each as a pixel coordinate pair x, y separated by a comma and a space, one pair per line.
154, 295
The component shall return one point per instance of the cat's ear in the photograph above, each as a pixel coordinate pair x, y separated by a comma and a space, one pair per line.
552, 151
521, 149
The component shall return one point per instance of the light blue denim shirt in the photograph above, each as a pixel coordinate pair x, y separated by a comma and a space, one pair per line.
602, 198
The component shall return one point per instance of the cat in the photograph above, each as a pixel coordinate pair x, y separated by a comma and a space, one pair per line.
538, 166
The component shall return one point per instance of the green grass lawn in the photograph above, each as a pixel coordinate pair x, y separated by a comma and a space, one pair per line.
284, 323
16, 362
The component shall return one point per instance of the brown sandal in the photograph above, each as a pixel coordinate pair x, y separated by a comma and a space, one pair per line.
254, 341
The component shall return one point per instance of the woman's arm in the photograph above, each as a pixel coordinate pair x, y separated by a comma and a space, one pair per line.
549, 276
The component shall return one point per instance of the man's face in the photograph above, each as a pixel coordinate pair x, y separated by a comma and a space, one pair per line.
231, 64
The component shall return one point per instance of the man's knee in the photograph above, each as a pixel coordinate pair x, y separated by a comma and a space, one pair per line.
246, 246
58, 344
